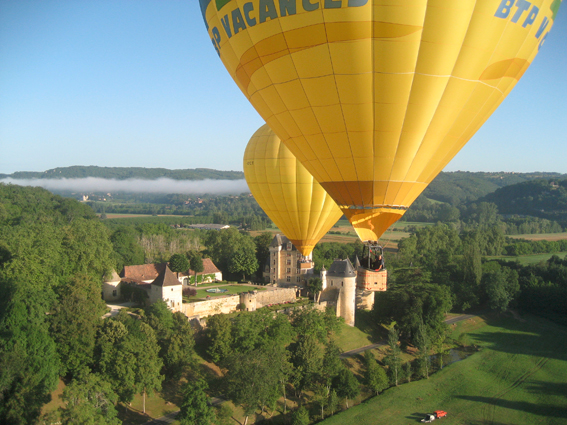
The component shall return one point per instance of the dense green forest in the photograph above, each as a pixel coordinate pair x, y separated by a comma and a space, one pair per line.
462, 186
545, 198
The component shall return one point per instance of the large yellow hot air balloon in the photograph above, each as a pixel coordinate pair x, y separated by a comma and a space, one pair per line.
375, 97
287, 193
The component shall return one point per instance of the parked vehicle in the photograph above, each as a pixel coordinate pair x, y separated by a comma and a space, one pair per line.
430, 417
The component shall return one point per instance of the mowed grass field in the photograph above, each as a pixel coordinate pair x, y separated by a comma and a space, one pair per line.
518, 377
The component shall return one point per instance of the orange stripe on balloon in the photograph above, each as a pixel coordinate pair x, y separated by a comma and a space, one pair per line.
513, 68
276, 46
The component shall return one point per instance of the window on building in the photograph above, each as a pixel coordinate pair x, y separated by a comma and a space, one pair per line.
289, 270
289, 279
289, 262
298, 279
298, 271
274, 262
114, 293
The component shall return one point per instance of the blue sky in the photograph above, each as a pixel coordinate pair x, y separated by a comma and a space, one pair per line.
137, 83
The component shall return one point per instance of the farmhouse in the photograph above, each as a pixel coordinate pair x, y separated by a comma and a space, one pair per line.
158, 281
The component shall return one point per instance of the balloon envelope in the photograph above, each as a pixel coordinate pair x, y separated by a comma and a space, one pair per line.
287, 193
375, 97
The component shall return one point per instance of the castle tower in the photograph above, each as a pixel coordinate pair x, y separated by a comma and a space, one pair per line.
287, 266
342, 275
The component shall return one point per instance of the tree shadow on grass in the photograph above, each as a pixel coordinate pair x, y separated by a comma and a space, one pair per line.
535, 337
549, 411
171, 392
364, 321
548, 388
128, 416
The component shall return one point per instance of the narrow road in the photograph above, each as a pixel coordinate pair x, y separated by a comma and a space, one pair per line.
459, 318
383, 343
362, 349
167, 419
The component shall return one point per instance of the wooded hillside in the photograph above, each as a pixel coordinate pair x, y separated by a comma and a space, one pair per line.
123, 173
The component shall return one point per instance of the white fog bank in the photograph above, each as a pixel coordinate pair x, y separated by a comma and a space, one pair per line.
162, 185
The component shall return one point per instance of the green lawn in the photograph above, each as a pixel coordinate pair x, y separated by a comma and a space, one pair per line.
519, 377
352, 337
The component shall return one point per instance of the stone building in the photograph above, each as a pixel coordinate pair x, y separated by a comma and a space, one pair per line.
351, 287
339, 287
287, 266
166, 287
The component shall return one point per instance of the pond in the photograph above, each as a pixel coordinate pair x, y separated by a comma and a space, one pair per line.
217, 290
452, 356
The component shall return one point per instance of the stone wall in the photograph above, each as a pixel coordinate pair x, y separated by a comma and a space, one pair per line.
229, 304
277, 296
218, 305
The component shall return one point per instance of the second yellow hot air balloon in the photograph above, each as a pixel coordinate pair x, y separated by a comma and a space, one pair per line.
287, 193
375, 97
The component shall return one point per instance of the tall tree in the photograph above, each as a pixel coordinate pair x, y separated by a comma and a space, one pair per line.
346, 385
178, 352
219, 337
501, 285
315, 286
89, 401
244, 261
261, 377
74, 323
393, 359
195, 408
262, 242
129, 357
178, 263
195, 263
29, 363
375, 377
300, 416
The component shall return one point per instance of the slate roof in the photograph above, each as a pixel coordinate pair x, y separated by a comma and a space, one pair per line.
281, 240
166, 278
341, 268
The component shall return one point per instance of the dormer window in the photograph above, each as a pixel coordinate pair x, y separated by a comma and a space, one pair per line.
289, 246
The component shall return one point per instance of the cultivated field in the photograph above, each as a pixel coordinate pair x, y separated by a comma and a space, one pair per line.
529, 259
542, 236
